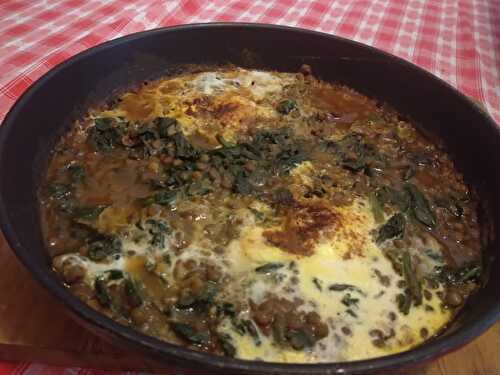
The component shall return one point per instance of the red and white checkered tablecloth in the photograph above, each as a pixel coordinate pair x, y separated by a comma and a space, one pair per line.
457, 40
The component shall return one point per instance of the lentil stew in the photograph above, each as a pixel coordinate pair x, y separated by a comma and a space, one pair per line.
261, 215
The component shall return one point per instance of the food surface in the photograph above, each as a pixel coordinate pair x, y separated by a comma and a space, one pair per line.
261, 215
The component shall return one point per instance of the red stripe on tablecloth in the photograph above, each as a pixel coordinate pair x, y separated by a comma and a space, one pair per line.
348, 25
426, 46
272, 14
234, 9
315, 13
390, 24
467, 70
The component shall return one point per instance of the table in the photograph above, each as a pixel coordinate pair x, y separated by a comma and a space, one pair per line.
458, 40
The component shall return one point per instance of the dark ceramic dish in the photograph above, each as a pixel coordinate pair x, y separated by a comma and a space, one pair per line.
48, 107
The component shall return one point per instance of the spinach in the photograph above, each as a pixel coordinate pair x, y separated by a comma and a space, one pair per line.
279, 329
252, 331
107, 245
286, 106
377, 209
104, 135
452, 205
61, 194
188, 333
223, 142
199, 188
186, 302
395, 227
267, 154
150, 265
404, 302
163, 124
115, 274
289, 158
76, 172
183, 148
269, 267
258, 215
400, 199
414, 286
283, 195
250, 152
88, 213
166, 258
300, 339
355, 154
132, 293
420, 206
100, 291
348, 301
318, 283
146, 135
228, 309
449, 275
226, 345
163, 198
434, 255
241, 184
238, 326
420, 159
158, 229
351, 313
408, 173
354, 165
207, 293
59, 191
201, 300
343, 287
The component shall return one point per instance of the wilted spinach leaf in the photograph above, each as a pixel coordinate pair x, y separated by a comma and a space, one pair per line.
163, 124
449, 275
100, 249
59, 191
252, 331
348, 300
132, 292
104, 135
184, 150
77, 173
377, 209
189, 333
62, 196
412, 282
342, 287
420, 206
286, 106
269, 267
394, 227
300, 339
404, 302
88, 213
158, 230
226, 345
101, 292
163, 198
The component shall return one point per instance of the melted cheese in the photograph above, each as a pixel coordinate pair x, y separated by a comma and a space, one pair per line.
329, 264
234, 97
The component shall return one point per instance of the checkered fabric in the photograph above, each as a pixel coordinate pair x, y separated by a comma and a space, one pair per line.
457, 40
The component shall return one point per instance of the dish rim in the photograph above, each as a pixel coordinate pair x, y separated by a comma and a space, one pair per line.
422, 353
